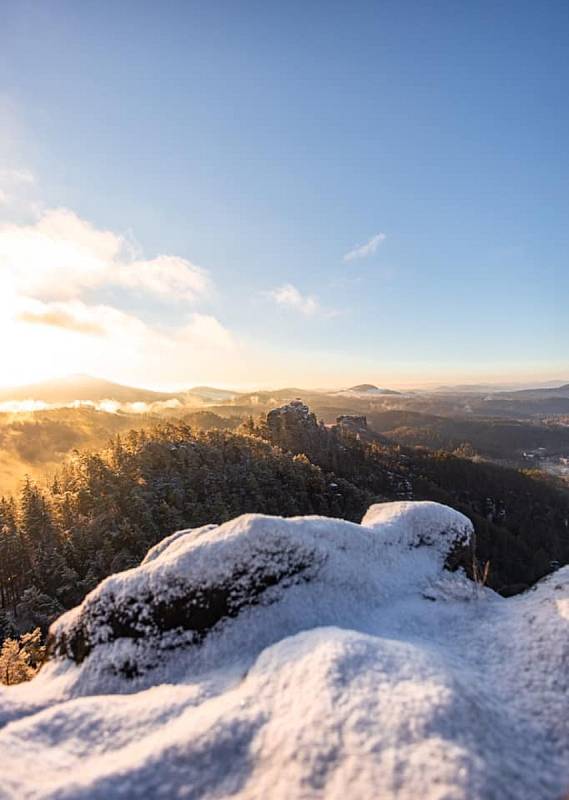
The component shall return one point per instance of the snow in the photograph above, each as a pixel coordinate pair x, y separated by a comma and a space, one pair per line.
350, 664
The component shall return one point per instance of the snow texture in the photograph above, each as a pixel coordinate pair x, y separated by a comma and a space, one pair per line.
300, 658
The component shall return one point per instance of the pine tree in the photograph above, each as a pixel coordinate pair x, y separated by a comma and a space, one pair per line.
36, 523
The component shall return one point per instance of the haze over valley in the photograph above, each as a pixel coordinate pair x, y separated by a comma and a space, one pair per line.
43, 423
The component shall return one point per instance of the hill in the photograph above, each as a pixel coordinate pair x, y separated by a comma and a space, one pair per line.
541, 393
80, 388
210, 394
502, 440
365, 390
35, 443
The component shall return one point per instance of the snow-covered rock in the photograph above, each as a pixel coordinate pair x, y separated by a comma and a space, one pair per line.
300, 658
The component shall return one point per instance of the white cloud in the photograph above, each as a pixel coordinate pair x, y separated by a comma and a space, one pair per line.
71, 316
367, 249
206, 331
289, 296
167, 276
104, 340
62, 257
53, 318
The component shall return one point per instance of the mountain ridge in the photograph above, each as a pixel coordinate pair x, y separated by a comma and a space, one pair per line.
81, 388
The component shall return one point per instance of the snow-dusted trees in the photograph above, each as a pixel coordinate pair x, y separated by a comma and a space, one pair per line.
21, 658
104, 510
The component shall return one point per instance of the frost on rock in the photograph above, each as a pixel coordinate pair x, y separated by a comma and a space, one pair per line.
295, 659
408, 524
194, 580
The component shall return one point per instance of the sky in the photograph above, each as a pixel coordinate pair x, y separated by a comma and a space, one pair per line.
254, 194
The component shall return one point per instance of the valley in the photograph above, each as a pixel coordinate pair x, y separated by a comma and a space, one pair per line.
42, 424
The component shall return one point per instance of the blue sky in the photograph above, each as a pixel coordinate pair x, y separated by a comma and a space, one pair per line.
263, 142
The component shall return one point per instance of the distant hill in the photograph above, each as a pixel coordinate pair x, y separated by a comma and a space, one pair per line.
211, 394
271, 397
365, 390
541, 394
82, 388
496, 388
493, 438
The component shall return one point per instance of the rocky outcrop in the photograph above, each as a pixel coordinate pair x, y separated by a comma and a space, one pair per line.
197, 580
294, 427
352, 422
353, 665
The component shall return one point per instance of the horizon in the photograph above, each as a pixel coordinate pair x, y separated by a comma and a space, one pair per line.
257, 387
383, 197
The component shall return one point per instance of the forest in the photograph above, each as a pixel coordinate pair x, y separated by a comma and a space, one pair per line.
103, 509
